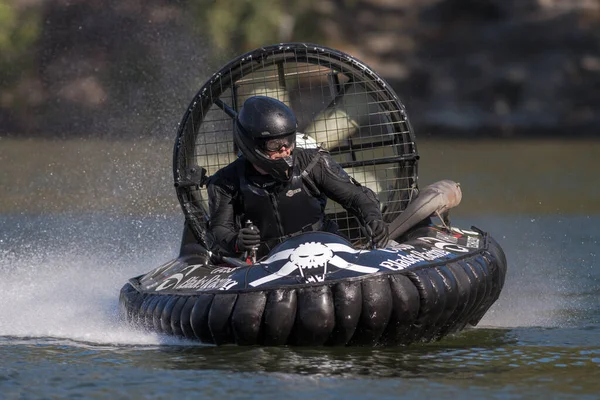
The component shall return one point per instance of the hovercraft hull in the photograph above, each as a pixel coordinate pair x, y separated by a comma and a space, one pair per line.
315, 289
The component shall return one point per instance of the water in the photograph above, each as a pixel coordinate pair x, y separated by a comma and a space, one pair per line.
61, 270
59, 335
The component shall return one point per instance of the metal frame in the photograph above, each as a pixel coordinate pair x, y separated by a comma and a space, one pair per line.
381, 150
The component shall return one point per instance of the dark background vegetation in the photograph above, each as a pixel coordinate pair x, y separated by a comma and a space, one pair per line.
128, 68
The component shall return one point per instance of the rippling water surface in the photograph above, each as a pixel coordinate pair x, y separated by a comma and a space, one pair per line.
60, 273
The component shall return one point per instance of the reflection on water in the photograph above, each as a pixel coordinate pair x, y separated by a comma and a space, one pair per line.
517, 176
123, 177
421, 360
502, 360
480, 352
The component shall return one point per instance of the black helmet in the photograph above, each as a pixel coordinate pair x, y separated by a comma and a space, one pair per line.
265, 124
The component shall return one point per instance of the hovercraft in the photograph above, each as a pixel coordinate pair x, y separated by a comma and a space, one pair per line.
317, 288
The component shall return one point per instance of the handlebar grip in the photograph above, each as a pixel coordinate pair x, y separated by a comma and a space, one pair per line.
253, 250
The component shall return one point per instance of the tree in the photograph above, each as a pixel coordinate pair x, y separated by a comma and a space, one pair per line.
239, 26
19, 31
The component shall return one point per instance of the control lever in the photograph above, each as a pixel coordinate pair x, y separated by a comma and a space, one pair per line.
251, 255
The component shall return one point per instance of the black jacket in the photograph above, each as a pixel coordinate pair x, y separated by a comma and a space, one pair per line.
238, 193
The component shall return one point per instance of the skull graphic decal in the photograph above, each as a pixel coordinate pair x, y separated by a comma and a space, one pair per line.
311, 255
311, 261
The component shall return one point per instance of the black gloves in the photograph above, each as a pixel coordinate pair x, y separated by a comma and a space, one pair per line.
248, 238
377, 230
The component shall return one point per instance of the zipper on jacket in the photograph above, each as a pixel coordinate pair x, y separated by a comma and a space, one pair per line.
275, 204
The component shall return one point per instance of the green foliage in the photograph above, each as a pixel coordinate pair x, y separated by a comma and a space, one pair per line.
19, 30
240, 25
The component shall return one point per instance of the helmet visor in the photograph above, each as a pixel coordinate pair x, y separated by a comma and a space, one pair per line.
278, 144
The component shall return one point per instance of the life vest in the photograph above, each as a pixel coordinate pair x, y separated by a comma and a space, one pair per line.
283, 210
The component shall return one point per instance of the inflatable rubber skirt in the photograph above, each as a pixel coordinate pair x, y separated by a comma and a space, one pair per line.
316, 289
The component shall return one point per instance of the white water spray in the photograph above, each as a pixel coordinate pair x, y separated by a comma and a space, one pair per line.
53, 287
539, 278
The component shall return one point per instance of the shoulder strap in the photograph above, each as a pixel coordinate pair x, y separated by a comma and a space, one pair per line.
306, 174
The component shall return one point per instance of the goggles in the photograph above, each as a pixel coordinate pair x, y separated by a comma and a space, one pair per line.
278, 144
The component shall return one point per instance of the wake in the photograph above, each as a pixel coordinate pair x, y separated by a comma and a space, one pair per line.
63, 281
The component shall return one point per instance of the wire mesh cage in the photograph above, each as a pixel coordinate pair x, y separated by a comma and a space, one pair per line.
340, 104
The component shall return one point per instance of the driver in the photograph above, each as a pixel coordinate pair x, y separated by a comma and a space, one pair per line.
281, 189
